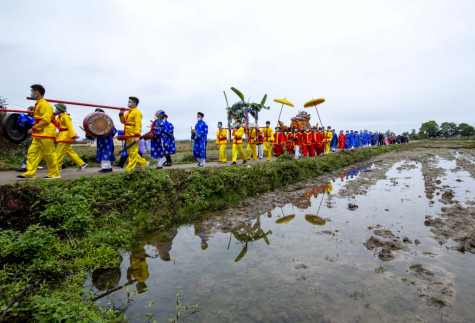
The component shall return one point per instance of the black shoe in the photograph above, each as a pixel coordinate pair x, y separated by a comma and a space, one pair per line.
122, 161
21, 170
105, 170
244, 161
24, 178
82, 167
234, 163
64, 166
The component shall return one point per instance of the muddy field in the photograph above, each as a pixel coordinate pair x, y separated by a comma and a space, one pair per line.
390, 239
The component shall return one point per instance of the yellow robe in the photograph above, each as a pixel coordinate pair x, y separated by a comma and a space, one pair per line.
44, 133
64, 139
221, 141
268, 135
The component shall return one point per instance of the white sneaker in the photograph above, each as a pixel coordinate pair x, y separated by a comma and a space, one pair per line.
82, 167
40, 167
48, 178
146, 165
60, 170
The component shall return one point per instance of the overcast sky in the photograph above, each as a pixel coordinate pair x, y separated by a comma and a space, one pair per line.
379, 64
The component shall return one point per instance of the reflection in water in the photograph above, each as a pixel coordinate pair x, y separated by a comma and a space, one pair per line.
138, 269
250, 233
355, 171
314, 219
163, 242
304, 202
200, 232
285, 219
106, 278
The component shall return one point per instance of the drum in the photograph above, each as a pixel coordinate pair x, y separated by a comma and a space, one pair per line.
12, 130
98, 125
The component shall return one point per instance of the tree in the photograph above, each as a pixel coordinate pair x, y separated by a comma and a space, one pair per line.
448, 129
460, 127
413, 131
468, 131
429, 128
405, 133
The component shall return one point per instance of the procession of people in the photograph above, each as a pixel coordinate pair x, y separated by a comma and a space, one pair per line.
48, 126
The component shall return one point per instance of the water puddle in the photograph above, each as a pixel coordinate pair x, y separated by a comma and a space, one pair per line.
321, 258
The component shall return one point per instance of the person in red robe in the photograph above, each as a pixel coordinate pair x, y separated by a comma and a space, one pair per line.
311, 142
303, 136
289, 144
342, 140
279, 141
319, 142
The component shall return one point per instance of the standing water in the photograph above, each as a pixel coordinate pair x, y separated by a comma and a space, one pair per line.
342, 251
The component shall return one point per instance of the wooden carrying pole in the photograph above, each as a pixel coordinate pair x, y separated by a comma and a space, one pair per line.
83, 104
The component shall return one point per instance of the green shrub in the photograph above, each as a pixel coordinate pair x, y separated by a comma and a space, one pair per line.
36, 240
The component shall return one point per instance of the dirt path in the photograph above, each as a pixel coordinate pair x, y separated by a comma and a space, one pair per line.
10, 177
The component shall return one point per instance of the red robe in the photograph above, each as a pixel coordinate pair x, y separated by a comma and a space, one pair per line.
303, 136
311, 144
279, 140
319, 143
342, 140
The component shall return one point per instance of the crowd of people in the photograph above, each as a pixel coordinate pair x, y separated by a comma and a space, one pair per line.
48, 126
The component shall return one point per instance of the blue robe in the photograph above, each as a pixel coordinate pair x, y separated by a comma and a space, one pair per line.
347, 143
334, 140
375, 139
158, 147
201, 140
360, 139
105, 147
26, 121
171, 137
353, 139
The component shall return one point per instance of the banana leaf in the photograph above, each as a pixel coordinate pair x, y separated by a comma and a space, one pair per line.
239, 94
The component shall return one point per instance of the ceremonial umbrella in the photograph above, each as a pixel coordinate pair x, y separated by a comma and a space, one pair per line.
283, 101
314, 103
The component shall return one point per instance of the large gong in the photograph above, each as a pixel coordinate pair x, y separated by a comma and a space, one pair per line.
12, 130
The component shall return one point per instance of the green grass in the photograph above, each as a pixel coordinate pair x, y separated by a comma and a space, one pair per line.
54, 233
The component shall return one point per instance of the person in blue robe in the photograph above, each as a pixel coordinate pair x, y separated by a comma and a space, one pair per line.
26, 120
170, 144
105, 149
334, 141
159, 148
347, 143
200, 136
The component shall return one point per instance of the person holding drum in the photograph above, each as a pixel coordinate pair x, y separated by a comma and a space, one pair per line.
132, 121
105, 148
65, 138
44, 134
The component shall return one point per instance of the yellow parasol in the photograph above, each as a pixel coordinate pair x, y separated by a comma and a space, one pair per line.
314, 103
283, 101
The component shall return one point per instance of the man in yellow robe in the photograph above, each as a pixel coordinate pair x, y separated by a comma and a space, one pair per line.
327, 138
238, 132
65, 138
43, 134
221, 142
251, 149
268, 135
132, 121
